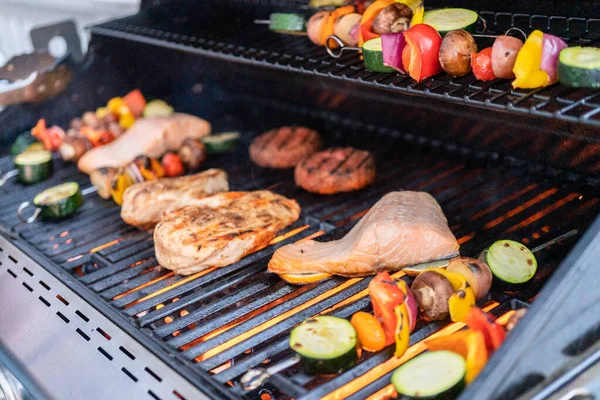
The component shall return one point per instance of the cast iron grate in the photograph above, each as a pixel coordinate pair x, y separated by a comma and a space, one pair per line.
219, 31
228, 320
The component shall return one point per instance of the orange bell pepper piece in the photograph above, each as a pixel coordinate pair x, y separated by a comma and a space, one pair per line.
468, 343
493, 333
327, 27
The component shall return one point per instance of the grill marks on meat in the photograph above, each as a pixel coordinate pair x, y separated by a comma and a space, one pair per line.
284, 147
221, 229
144, 203
401, 229
336, 170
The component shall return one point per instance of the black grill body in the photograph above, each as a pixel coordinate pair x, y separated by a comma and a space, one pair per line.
502, 163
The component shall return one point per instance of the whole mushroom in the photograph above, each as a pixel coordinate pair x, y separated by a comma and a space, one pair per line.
393, 18
432, 291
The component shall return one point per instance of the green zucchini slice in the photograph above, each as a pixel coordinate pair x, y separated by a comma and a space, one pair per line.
287, 23
510, 261
448, 19
221, 142
431, 375
579, 67
326, 345
33, 166
373, 56
23, 141
59, 201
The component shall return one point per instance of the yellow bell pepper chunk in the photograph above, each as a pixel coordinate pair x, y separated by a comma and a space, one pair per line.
527, 65
102, 112
115, 105
402, 334
126, 120
463, 299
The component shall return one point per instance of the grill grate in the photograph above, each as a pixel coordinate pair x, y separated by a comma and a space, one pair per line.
190, 27
231, 319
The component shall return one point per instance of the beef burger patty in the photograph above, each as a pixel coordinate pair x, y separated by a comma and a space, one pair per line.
284, 147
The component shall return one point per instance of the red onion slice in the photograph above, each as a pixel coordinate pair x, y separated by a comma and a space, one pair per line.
551, 47
392, 45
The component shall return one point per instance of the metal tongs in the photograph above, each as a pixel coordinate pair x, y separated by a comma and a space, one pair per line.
255, 377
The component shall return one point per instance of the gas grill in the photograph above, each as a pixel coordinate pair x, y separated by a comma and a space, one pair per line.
88, 312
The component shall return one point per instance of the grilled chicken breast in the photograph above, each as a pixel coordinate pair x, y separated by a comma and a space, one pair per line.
151, 137
221, 229
401, 229
144, 203
284, 147
336, 170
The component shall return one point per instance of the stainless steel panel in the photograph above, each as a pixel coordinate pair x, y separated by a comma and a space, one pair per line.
57, 338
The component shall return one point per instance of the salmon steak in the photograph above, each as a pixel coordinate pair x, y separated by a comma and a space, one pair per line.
284, 147
221, 229
336, 170
401, 229
144, 203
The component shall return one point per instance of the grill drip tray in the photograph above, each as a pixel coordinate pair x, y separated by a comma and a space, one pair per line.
68, 348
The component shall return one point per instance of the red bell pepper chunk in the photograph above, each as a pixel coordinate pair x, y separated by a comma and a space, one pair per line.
420, 57
135, 102
385, 296
493, 333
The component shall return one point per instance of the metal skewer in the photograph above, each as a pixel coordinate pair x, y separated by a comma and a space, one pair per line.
254, 378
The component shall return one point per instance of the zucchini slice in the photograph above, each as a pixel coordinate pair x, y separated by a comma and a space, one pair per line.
293, 24
510, 261
579, 67
431, 375
33, 166
221, 142
448, 19
373, 56
59, 201
23, 141
326, 345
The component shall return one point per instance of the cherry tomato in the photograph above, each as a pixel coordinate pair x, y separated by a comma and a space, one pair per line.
482, 65
172, 165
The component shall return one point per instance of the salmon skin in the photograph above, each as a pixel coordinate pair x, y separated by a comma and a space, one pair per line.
401, 229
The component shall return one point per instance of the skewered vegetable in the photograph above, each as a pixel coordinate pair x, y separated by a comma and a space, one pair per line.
463, 298
33, 166
50, 137
315, 25
470, 344
431, 375
448, 19
23, 141
287, 23
157, 108
102, 179
59, 201
192, 153
371, 335
402, 333
72, 148
481, 63
455, 52
393, 18
493, 333
432, 291
149, 168
511, 262
537, 61
172, 165
222, 142
368, 18
326, 345
411, 304
385, 296
504, 55
476, 272
120, 182
420, 56
580, 67
347, 28
373, 56
135, 102
392, 45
